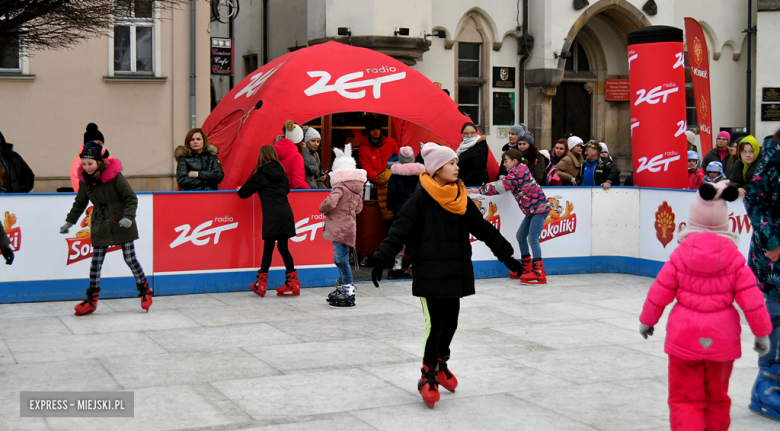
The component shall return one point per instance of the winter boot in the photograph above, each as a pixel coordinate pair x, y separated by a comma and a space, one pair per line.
291, 286
444, 376
261, 285
90, 304
765, 397
345, 296
145, 293
536, 275
428, 386
527, 266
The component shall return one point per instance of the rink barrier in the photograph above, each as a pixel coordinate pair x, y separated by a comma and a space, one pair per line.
207, 242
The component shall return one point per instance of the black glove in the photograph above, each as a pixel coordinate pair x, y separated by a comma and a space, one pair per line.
376, 273
513, 265
8, 254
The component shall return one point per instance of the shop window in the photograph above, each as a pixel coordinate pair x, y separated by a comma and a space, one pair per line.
134, 40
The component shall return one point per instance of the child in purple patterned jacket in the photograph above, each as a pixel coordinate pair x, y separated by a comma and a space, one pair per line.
533, 203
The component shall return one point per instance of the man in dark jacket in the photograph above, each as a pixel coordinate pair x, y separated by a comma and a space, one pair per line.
596, 170
15, 176
721, 153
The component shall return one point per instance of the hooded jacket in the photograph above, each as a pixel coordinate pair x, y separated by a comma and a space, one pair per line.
374, 159
605, 171
714, 156
342, 205
113, 200
292, 161
270, 184
695, 178
75, 167
706, 273
206, 164
312, 167
21, 178
473, 164
568, 168
403, 182
740, 177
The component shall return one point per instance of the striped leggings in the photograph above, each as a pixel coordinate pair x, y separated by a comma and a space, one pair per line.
99, 254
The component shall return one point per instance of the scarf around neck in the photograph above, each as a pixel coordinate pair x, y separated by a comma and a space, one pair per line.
465, 146
376, 143
452, 197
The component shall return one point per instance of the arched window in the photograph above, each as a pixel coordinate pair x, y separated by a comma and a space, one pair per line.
471, 71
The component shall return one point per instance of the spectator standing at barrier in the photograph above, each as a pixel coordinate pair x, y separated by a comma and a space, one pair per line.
15, 175
721, 153
374, 151
597, 171
761, 205
706, 273
435, 223
270, 183
533, 203
695, 173
112, 220
403, 182
605, 152
340, 208
197, 164
516, 132
472, 156
714, 173
569, 167
315, 177
91, 135
749, 153
559, 151
289, 155
5, 243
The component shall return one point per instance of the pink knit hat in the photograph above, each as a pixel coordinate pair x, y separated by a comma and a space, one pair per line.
724, 134
436, 156
710, 211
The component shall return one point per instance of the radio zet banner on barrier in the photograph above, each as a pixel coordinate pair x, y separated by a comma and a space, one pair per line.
197, 232
662, 214
659, 145
560, 236
42, 253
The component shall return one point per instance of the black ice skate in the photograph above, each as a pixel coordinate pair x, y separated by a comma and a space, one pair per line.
344, 296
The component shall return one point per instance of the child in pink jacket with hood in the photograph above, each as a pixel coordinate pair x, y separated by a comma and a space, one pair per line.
706, 274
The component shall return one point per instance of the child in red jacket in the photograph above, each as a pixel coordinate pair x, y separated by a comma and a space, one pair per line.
706, 274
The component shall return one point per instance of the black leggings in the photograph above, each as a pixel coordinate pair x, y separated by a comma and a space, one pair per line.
268, 254
441, 319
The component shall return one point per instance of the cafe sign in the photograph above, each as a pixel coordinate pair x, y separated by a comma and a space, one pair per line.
221, 56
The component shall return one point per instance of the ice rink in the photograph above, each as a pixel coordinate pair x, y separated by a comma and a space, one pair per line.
563, 356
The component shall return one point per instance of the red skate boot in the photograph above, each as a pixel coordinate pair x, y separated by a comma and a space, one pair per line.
444, 376
527, 266
291, 286
145, 293
90, 304
428, 386
536, 275
261, 285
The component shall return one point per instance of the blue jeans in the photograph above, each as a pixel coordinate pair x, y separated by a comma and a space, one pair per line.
530, 230
773, 306
341, 259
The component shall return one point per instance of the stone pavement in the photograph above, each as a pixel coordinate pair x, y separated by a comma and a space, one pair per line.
565, 356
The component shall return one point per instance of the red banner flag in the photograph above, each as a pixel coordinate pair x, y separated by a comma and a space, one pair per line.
699, 60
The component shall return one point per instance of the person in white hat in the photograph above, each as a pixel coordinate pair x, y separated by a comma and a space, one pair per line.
569, 167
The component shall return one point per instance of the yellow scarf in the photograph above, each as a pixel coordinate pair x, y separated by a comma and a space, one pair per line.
452, 197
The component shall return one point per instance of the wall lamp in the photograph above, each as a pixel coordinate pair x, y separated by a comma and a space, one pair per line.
564, 55
401, 31
441, 34
345, 31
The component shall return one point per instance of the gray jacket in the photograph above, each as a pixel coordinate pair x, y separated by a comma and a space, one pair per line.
311, 165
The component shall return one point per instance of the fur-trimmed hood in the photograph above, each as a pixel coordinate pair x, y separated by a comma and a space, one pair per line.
344, 175
113, 168
182, 151
408, 169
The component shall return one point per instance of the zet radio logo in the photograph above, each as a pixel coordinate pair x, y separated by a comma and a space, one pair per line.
80, 247
14, 233
561, 220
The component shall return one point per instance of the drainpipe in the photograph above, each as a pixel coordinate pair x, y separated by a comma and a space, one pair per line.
525, 49
193, 27
749, 93
265, 32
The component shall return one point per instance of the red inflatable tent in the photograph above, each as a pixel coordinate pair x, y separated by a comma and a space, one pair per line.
321, 80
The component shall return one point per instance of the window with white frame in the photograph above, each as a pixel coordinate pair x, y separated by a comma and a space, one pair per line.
469, 80
133, 36
10, 57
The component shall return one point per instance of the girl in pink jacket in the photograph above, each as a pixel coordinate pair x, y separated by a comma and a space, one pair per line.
706, 274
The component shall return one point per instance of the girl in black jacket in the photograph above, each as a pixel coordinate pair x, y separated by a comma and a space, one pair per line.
271, 185
198, 166
435, 223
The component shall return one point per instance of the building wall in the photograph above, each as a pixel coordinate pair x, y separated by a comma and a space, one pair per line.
768, 65
142, 122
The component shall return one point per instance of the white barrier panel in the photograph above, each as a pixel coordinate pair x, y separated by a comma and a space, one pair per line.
566, 231
662, 212
42, 253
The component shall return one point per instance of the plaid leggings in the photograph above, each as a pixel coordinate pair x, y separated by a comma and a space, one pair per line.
99, 254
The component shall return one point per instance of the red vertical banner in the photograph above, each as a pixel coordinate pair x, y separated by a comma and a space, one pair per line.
699, 60
656, 72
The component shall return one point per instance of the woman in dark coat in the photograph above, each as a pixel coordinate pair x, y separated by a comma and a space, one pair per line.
15, 175
271, 185
748, 156
111, 220
472, 156
198, 166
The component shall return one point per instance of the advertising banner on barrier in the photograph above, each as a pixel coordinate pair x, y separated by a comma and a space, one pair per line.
566, 230
699, 60
42, 253
662, 213
657, 81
